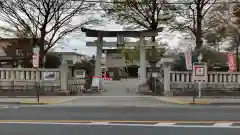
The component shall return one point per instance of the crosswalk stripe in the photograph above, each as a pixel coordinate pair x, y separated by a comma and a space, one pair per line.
164, 124
222, 124
99, 123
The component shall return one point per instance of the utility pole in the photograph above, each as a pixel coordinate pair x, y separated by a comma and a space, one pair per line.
75, 49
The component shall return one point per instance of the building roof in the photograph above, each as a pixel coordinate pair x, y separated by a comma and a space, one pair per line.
103, 33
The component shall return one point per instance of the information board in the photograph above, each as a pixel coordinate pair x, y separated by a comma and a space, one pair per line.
200, 72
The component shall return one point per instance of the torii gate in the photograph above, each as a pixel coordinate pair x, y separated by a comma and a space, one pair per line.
100, 34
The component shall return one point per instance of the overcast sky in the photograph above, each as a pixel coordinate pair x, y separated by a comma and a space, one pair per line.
78, 40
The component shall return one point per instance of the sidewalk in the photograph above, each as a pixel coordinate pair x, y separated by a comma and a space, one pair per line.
43, 100
201, 101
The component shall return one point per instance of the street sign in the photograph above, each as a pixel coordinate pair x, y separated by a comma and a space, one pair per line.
200, 72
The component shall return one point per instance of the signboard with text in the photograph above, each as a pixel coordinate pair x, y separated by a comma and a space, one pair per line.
200, 72
49, 76
188, 60
35, 57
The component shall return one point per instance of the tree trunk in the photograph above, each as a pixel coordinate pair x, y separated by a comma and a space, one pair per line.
42, 46
41, 57
199, 31
237, 53
153, 39
237, 59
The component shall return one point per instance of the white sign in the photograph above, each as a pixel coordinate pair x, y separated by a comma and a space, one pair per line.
155, 74
35, 60
80, 74
200, 72
95, 82
188, 60
49, 76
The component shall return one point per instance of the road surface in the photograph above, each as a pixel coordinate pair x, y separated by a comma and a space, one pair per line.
40, 129
73, 120
124, 87
117, 112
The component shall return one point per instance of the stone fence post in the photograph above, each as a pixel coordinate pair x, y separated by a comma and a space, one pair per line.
166, 64
64, 76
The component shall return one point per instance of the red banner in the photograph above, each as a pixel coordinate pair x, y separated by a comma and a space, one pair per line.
231, 63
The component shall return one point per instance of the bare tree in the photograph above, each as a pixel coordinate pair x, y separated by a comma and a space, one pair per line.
148, 14
194, 11
45, 20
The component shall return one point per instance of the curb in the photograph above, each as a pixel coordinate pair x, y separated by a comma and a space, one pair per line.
24, 103
38, 103
186, 103
202, 103
103, 90
192, 103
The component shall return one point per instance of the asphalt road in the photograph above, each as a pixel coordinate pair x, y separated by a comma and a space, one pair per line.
120, 113
37, 129
124, 87
117, 116
71, 120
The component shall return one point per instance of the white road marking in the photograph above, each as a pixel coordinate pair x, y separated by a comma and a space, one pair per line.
8, 107
122, 124
99, 123
222, 124
162, 124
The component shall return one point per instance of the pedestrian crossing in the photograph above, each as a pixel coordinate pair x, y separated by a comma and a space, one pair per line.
185, 124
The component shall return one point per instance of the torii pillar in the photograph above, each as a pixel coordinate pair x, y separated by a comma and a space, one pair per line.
100, 34
143, 64
98, 69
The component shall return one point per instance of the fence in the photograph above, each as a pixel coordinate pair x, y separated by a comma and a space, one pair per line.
28, 81
218, 82
180, 82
